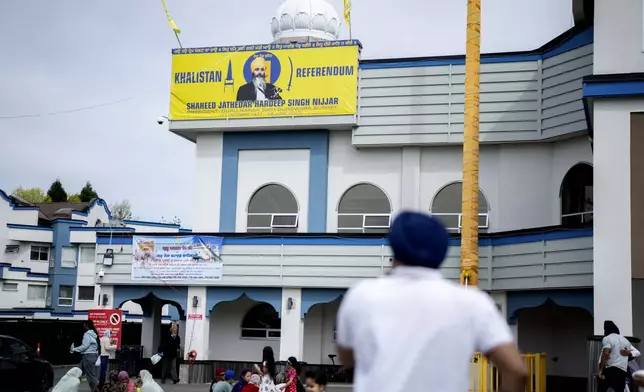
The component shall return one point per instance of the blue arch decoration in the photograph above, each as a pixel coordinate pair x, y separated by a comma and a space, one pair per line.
518, 300
177, 296
311, 297
270, 295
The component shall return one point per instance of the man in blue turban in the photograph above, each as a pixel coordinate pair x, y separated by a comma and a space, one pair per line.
420, 325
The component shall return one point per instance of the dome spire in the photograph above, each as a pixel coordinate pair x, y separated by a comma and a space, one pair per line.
305, 21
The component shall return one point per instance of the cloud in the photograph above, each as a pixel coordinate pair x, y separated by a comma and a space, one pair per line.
66, 55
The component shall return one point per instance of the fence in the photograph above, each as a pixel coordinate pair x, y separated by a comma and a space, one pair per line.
485, 377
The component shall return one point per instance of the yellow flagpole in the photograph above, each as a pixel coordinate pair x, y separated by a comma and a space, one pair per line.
470, 201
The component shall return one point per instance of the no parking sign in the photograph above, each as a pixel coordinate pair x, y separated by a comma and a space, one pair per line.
108, 319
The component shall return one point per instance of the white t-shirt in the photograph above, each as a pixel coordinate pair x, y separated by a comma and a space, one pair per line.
414, 328
616, 343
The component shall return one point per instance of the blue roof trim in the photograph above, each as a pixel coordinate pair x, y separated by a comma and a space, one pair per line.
494, 241
274, 46
576, 41
613, 89
29, 227
185, 230
107, 229
99, 202
24, 269
151, 224
6, 198
80, 222
37, 275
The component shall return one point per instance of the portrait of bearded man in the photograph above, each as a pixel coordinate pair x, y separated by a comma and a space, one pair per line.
258, 89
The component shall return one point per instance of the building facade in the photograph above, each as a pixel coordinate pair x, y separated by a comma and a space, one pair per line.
304, 203
47, 264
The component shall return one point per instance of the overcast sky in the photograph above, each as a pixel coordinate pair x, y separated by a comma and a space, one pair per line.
65, 55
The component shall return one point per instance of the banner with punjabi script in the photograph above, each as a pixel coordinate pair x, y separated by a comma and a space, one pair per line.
275, 80
177, 258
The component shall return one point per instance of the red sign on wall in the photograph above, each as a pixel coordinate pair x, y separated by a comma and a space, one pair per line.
105, 319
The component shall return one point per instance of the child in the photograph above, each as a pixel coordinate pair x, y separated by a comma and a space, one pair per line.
315, 382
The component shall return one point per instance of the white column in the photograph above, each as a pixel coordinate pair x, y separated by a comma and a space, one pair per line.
410, 179
292, 333
208, 182
151, 329
612, 215
197, 324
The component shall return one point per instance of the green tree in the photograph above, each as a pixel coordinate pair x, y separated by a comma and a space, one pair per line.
31, 195
56, 192
88, 193
121, 210
75, 198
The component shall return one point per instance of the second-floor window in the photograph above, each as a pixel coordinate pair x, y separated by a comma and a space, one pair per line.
68, 257
364, 208
39, 253
577, 196
36, 292
447, 206
86, 293
272, 209
65, 295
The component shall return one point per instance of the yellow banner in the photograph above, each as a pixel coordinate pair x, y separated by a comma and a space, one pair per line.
276, 80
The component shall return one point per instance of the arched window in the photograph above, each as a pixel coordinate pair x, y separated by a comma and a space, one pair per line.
364, 208
272, 209
446, 206
577, 195
261, 321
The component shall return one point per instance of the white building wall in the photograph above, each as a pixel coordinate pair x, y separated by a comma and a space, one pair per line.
319, 336
347, 167
208, 182
612, 211
285, 167
23, 258
225, 334
618, 37
142, 228
95, 213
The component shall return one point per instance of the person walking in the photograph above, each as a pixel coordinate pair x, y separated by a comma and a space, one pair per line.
418, 324
170, 351
89, 354
108, 351
613, 364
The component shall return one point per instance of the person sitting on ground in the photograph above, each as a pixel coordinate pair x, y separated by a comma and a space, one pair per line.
112, 383
226, 385
147, 382
124, 379
315, 382
70, 381
253, 384
244, 376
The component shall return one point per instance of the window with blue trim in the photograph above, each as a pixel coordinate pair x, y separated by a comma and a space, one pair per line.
364, 208
447, 207
272, 209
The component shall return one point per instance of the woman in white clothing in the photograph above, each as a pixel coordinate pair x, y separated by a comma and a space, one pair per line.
108, 351
148, 383
70, 381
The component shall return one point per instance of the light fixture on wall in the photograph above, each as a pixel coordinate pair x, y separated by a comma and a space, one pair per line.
289, 303
195, 301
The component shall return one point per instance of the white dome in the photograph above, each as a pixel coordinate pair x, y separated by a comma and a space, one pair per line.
305, 21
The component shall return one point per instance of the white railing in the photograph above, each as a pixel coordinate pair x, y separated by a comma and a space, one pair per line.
459, 218
260, 333
273, 226
584, 217
366, 224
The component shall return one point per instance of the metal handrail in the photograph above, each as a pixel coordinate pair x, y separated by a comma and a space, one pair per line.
273, 226
583, 215
460, 219
365, 226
